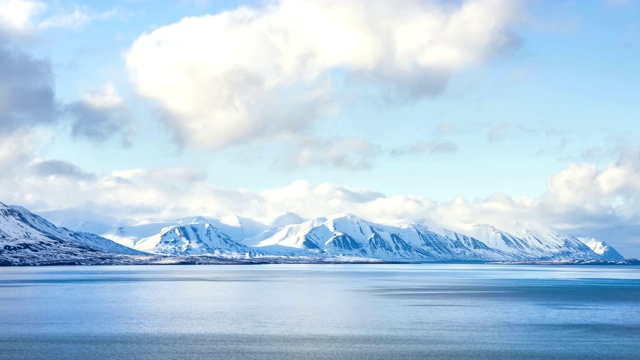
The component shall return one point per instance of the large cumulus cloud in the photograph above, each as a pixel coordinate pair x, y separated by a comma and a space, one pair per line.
17, 16
255, 72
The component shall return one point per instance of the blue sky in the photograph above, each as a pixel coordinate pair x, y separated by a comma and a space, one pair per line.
455, 111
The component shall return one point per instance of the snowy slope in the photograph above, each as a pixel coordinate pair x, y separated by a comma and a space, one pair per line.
602, 248
238, 227
348, 235
193, 239
27, 238
233, 226
533, 242
129, 235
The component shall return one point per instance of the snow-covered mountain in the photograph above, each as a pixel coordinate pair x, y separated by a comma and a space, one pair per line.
534, 242
24, 235
192, 239
26, 238
348, 235
133, 233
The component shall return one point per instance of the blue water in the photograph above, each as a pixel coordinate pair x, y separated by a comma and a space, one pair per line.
430, 311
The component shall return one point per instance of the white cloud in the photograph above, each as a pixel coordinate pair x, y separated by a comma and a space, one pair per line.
15, 150
77, 18
256, 72
22, 17
108, 98
16, 16
582, 195
581, 199
575, 197
80, 16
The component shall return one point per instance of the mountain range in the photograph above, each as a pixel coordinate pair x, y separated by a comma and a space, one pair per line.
27, 238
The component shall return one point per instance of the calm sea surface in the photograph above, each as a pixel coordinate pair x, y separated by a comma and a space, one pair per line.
320, 312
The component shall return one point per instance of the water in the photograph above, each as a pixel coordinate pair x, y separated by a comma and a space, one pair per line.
320, 312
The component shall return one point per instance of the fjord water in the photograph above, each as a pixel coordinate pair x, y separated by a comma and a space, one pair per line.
432, 311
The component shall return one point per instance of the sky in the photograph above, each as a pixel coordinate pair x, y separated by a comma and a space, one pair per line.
446, 112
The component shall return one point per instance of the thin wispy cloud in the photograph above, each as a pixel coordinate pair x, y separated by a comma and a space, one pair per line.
426, 147
79, 17
341, 153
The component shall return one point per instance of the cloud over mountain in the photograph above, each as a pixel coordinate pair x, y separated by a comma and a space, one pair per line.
580, 199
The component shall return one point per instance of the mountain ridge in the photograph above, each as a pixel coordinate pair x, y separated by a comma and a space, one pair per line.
25, 237
348, 235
